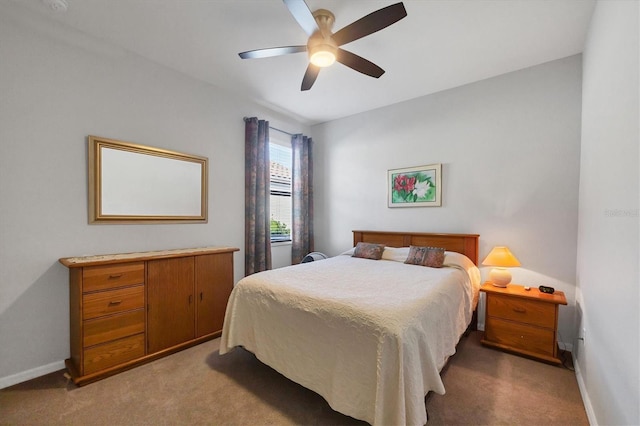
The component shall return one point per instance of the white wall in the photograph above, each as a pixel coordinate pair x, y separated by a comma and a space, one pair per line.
280, 255
607, 363
510, 149
57, 87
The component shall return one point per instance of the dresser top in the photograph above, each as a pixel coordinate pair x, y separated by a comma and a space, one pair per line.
104, 259
516, 290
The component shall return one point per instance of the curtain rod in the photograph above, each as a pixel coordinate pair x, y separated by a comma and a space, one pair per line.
276, 129
282, 131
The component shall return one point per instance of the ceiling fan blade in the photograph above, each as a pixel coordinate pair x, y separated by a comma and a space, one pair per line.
310, 77
358, 63
303, 15
273, 51
371, 23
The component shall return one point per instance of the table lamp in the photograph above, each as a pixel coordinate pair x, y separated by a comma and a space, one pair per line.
501, 258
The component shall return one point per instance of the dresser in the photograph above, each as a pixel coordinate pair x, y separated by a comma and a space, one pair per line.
127, 309
523, 321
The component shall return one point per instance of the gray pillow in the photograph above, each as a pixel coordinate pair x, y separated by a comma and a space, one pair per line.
369, 251
425, 256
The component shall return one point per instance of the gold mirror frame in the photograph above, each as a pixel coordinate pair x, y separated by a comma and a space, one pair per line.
132, 183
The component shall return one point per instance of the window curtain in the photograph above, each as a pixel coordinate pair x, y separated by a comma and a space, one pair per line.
302, 198
257, 231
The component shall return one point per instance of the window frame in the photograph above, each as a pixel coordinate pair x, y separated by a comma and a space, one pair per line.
280, 193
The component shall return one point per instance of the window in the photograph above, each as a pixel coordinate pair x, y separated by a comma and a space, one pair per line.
280, 187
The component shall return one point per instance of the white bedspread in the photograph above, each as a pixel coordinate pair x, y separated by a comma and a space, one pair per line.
369, 336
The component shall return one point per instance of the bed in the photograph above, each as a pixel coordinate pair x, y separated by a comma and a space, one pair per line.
369, 336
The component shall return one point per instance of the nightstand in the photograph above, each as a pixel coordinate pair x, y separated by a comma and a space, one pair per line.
521, 321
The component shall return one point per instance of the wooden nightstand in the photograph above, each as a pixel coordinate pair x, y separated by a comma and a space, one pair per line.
524, 322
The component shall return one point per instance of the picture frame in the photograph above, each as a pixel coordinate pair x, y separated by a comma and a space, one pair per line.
419, 186
133, 183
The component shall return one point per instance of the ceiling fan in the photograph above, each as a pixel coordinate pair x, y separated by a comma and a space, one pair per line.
322, 45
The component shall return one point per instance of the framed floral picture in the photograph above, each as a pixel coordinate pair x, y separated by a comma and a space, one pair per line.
415, 186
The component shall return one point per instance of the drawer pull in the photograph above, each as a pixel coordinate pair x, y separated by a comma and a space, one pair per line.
115, 302
520, 310
115, 276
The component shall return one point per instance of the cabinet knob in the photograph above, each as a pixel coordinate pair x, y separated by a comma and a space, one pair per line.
520, 310
115, 276
115, 302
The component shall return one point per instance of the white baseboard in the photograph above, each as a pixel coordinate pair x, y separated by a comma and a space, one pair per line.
591, 416
23, 376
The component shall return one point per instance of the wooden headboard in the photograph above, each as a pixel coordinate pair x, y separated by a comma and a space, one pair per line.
466, 244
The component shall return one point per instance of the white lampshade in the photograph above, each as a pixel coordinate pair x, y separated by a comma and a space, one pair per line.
502, 258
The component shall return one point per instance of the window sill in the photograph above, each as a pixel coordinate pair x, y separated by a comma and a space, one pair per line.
280, 243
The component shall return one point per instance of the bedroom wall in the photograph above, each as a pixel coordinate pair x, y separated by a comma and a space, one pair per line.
510, 149
58, 86
607, 362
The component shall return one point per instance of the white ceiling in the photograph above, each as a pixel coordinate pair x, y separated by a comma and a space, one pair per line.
440, 44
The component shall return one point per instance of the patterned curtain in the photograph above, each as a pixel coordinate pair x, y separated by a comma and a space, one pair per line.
302, 198
257, 240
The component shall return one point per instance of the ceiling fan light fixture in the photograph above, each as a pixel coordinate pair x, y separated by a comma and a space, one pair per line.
322, 55
322, 49
322, 45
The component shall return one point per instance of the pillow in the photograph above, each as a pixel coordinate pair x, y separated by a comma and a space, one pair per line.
425, 256
396, 254
369, 251
348, 252
457, 259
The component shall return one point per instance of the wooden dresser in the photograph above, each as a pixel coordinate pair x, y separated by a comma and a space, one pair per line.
521, 321
127, 309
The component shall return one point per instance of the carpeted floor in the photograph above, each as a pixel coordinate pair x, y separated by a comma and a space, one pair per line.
197, 386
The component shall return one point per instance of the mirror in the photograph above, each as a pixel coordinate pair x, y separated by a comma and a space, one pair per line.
136, 183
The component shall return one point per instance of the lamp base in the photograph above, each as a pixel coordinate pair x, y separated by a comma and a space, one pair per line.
500, 277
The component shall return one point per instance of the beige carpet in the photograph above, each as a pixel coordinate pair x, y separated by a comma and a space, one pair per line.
197, 386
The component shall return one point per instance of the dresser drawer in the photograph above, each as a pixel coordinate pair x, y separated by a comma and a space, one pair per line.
101, 330
522, 310
113, 353
96, 278
520, 336
112, 301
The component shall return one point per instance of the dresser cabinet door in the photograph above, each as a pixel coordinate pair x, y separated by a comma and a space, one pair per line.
214, 282
171, 302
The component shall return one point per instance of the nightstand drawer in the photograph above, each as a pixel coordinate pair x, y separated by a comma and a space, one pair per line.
522, 310
520, 336
111, 276
113, 301
113, 353
114, 327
